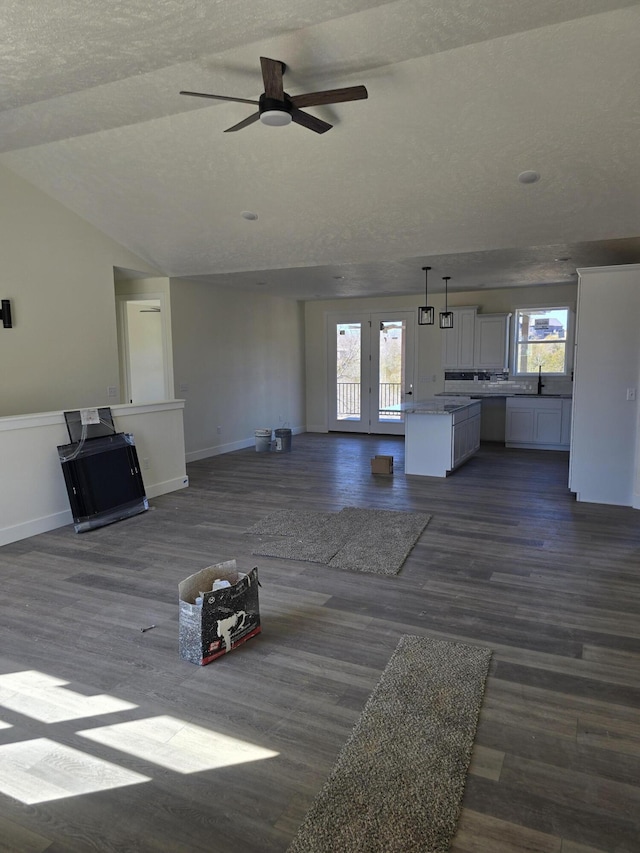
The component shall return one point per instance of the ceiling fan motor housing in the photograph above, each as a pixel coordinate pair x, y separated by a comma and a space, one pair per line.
267, 104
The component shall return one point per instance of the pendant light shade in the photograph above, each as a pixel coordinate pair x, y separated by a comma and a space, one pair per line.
426, 313
446, 316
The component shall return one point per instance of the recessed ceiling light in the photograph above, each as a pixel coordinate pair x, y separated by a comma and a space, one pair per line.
528, 177
562, 259
248, 214
338, 277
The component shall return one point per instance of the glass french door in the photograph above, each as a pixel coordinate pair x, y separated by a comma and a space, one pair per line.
370, 361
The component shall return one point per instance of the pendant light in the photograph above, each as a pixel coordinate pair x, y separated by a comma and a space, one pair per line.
426, 312
446, 316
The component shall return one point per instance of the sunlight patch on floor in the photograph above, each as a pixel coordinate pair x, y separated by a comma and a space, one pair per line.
36, 771
39, 769
177, 745
46, 699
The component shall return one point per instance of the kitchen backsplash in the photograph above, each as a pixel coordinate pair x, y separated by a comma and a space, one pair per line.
474, 381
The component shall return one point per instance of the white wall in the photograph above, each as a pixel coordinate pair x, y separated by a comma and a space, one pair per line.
428, 357
238, 363
58, 272
33, 497
604, 444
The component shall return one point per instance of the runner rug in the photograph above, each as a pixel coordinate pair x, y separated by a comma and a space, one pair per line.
397, 785
363, 540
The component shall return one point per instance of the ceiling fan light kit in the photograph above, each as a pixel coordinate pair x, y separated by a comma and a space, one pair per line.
276, 108
275, 118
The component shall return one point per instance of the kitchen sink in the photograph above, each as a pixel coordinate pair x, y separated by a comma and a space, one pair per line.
533, 394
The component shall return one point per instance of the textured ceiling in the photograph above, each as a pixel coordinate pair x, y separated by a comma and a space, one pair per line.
463, 96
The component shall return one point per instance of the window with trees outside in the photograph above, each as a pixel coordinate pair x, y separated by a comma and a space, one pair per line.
541, 340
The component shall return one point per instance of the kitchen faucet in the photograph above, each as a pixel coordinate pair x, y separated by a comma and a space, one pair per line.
540, 385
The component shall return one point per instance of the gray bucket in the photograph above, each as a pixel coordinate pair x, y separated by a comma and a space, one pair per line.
263, 440
283, 440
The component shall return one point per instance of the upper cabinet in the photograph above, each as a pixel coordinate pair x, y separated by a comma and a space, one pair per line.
458, 342
491, 348
476, 340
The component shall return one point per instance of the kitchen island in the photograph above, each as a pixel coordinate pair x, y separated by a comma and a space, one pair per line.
440, 434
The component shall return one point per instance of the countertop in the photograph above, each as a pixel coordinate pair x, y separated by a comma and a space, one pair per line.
481, 395
442, 406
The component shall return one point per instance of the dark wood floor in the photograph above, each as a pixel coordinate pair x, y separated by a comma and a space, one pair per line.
509, 561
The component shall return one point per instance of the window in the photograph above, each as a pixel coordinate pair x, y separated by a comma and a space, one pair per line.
541, 340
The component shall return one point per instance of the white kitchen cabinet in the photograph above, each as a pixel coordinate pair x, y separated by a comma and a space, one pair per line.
518, 428
547, 425
541, 423
465, 434
476, 341
458, 343
471, 444
458, 444
437, 442
491, 341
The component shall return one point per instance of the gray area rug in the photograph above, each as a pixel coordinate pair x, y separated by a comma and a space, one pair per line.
362, 540
398, 782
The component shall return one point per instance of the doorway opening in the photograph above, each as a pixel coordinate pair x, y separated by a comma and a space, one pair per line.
145, 350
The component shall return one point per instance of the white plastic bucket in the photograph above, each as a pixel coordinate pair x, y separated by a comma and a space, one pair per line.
263, 440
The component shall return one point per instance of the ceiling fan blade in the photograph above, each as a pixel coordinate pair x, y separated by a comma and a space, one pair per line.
244, 123
220, 97
272, 71
331, 96
311, 122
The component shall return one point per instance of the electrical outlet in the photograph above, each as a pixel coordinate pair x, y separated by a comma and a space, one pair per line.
218, 429
631, 393
112, 391
183, 387
145, 462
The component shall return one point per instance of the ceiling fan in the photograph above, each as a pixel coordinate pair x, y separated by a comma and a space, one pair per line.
276, 107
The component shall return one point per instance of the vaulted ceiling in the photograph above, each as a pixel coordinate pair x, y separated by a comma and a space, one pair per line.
463, 97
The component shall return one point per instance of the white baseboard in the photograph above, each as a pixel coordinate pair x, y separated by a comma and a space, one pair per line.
523, 445
173, 485
60, 519
219, 449
35, 526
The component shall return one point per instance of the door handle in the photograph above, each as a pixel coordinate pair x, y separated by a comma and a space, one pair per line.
408, 393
